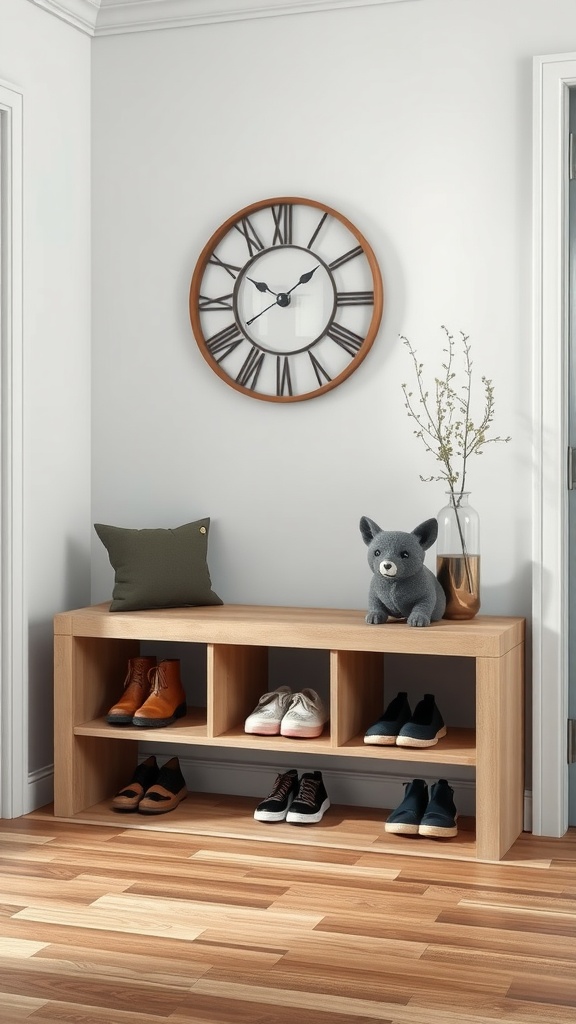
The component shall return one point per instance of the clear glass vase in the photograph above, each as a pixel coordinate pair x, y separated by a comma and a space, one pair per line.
458, 556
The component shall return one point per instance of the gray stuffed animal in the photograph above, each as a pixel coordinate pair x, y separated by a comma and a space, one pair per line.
402, 586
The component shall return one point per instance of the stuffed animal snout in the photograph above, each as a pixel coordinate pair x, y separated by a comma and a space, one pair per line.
388, 568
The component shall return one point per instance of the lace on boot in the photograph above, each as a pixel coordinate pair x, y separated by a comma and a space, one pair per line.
156, 678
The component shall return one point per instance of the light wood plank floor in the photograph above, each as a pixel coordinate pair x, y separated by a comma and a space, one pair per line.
112, 925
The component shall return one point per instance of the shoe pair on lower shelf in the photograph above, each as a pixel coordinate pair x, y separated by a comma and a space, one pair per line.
153, 694
298, 715
426, 814
398, 725
299, 801
153, 790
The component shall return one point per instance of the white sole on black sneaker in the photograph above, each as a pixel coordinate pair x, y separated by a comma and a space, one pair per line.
300, 818
272, 815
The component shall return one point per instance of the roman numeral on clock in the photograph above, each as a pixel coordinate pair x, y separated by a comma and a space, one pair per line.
347, 340
322, 375
222, 302
350, 255
317, 231
283, 379
282, 216
250, 369
248, 231
354, 298
224, 342
228, 267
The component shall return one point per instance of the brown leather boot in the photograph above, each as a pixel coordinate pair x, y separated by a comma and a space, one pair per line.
136, 690
167, 700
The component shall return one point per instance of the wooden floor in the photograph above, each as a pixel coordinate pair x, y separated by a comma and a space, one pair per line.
102, 925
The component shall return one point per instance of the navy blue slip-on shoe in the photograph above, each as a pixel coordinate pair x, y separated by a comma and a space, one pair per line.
405, 819
425, 727
384, 732
439, 819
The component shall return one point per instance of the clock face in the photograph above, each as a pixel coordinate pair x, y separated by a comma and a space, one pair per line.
286, 299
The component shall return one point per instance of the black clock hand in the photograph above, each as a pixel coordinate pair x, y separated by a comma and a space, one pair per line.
282, 298
304, 279
261, 286
265, 310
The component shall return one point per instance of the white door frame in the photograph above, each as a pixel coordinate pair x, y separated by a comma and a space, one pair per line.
13, 661
553, 77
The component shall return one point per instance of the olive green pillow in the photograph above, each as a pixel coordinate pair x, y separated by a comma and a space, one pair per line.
159, 568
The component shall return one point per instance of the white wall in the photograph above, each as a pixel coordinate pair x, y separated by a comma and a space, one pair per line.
49, 62
414, 120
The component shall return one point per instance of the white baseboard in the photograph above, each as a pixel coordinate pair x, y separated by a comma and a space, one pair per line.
40, 789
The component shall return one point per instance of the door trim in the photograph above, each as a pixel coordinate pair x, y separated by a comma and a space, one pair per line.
553, 77
13, 660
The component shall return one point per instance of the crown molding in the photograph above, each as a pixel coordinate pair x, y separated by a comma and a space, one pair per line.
114, 17
82, 14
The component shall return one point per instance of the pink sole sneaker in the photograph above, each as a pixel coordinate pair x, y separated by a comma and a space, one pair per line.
266, 729
304, 732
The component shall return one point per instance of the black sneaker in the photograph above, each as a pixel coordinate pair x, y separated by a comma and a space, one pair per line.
276, 804
384, 732
425, 727
311, 800
405, 819
439, 819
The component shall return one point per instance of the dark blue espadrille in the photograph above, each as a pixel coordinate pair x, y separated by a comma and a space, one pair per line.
439, 818
384, 732
405, 819
425, 727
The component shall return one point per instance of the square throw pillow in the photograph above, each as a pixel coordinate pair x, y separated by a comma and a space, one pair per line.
159, 568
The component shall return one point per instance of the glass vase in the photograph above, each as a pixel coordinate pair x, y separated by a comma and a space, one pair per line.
458, 556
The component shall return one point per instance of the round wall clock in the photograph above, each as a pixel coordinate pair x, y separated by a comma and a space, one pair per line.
286, 299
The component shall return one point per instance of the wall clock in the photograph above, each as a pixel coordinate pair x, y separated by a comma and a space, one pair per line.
286, 299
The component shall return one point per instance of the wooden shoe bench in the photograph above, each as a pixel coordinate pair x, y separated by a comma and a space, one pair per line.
93, 760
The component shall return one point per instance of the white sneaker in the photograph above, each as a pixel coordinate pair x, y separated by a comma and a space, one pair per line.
305, 717
268, 713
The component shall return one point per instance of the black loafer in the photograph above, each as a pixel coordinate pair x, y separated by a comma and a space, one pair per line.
145, 775
167, 792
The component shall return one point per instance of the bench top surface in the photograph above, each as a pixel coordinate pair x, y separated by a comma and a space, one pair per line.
272, 626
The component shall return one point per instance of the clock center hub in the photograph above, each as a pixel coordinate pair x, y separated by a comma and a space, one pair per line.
295, 279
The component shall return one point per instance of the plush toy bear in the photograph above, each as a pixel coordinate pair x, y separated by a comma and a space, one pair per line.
402, 586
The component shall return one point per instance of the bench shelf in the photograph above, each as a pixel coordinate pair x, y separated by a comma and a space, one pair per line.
93, 759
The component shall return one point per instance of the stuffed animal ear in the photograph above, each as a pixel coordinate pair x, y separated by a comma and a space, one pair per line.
368, 529
427, 533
